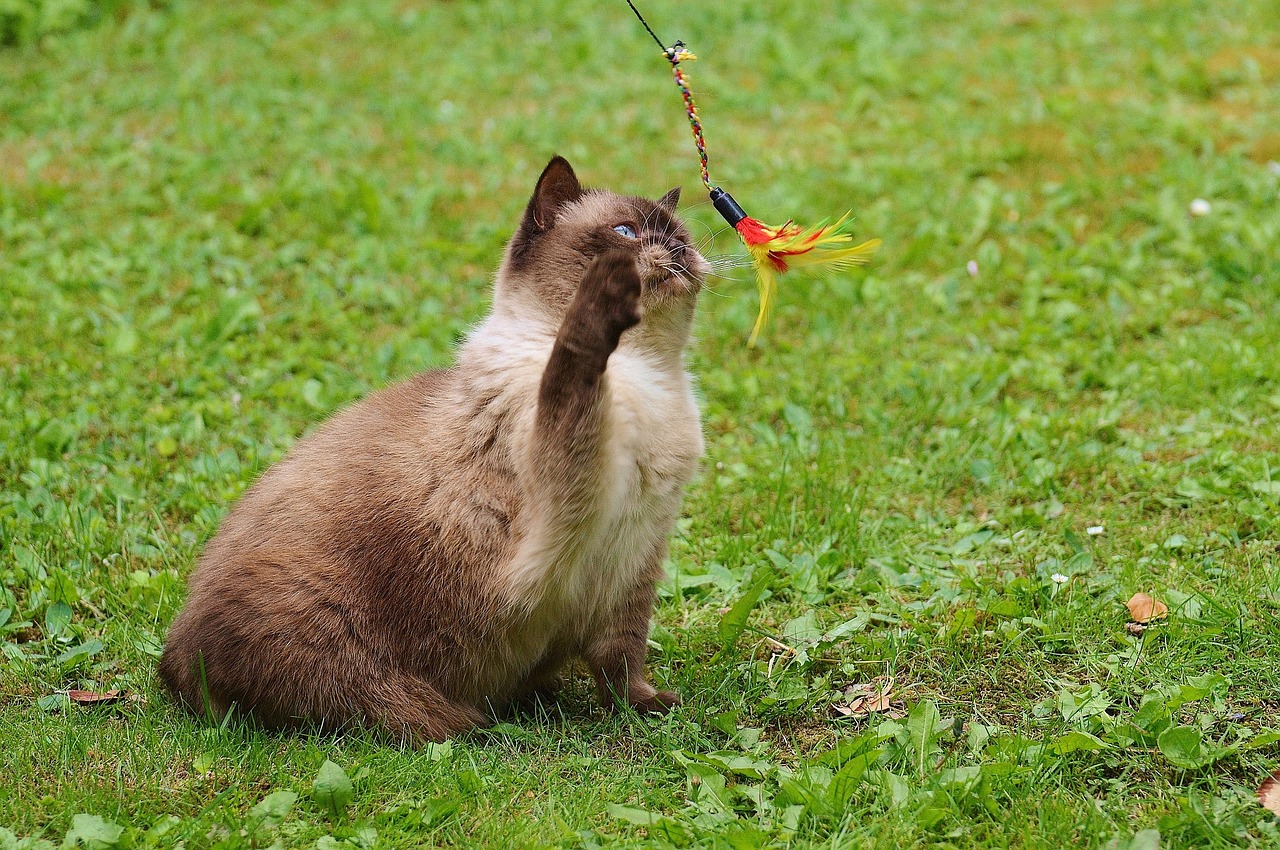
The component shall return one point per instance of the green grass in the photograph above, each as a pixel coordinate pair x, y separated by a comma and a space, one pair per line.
219, 222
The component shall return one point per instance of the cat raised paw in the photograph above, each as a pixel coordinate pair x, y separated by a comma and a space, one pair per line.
608, 299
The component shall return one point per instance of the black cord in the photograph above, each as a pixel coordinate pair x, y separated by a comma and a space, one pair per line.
646, 26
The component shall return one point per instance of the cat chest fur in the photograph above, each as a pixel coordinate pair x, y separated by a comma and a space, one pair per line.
654, 442
564, 573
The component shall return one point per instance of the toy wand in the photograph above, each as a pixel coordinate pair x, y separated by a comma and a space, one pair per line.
773, 250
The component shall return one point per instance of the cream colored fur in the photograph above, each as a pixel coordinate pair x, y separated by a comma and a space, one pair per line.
654, 441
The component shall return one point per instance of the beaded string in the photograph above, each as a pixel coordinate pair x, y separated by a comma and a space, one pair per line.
773, 249
676, 54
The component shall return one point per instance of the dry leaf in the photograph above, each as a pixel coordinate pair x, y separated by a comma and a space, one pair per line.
1269, 792
93, 697
1136, 628
867, 698
1145, 608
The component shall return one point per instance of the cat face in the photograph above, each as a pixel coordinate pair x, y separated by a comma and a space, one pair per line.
565, 226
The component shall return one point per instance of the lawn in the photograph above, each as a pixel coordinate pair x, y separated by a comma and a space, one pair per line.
1057, 385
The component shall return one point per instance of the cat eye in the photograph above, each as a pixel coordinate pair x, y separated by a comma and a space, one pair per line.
626, 230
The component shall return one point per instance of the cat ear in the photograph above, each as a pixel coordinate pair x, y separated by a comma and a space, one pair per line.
669, 200
557, 186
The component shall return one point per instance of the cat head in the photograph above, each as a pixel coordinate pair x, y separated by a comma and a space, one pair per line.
565, 226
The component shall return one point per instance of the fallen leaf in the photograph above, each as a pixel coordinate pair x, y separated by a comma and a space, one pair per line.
867, 698
94, 697
1269, 792
1145, 608
1136, 628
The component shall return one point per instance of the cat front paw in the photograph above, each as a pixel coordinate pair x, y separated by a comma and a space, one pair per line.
608, 299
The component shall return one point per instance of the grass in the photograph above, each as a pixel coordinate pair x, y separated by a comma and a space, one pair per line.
220, 222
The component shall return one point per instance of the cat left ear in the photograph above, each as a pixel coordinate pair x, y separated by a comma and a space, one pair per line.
668, 201
557, 186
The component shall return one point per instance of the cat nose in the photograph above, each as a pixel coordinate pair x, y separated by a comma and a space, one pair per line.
659, 253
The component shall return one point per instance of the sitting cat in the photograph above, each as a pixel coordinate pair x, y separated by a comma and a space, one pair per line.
450, 543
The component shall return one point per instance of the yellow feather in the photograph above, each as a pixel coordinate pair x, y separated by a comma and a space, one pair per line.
777, 249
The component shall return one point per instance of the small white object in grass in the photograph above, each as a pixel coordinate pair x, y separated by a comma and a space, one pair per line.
1059, 578
1093, 530
1200, 207
1273, 167
972, 266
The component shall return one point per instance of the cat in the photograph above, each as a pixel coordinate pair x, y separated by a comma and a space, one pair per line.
445, 547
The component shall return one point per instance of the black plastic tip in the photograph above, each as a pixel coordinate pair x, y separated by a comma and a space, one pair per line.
727, 206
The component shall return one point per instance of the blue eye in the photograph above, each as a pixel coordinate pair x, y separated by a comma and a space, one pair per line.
626, 230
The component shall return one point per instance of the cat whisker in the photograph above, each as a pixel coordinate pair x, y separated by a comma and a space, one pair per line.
678, 272
645, 217
728, 258
711, 290
711, 237
732, 264
712, 232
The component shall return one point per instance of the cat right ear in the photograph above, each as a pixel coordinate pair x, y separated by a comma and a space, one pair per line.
557, 186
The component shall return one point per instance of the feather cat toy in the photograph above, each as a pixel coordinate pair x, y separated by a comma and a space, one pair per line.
773, 250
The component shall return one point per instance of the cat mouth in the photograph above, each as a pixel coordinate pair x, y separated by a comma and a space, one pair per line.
664, 285
667, 276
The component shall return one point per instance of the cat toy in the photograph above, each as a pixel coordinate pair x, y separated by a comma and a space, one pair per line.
773, 250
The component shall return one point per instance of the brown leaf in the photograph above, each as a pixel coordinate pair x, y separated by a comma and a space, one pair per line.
1136, 628
94, 697
878, 702
866, 698
1145, 608
1269, 792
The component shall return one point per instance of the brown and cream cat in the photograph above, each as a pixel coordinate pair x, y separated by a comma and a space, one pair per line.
449, 544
